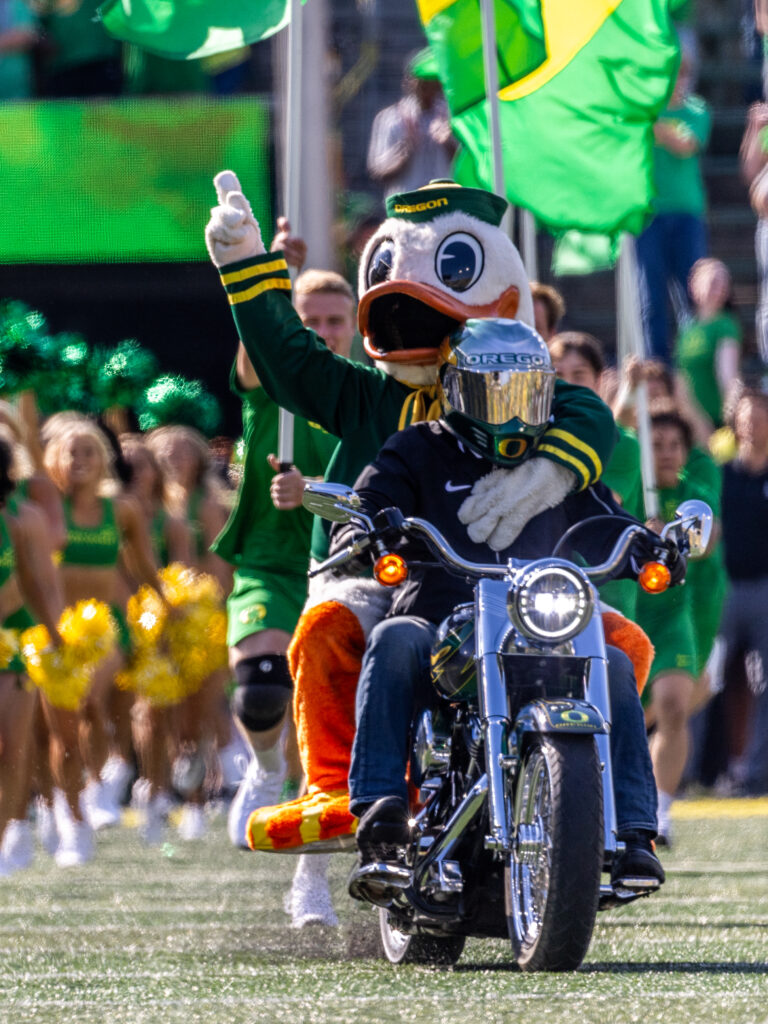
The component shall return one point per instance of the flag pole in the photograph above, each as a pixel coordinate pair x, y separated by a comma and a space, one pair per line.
630, 341
488, 21
292, 187
528, 244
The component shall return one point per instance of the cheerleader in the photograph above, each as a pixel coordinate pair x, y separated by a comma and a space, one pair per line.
99, 527
152, 724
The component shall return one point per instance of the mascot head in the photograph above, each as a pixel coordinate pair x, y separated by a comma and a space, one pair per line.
495, 384
439, 259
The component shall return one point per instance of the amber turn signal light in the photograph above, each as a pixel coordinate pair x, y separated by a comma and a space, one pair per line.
654, 577
390, 570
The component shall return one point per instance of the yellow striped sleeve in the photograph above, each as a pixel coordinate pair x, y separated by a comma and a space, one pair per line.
271, 284
258, 270
576, 464
582, 446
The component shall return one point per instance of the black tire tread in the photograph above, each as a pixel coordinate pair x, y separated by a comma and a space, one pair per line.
577, 854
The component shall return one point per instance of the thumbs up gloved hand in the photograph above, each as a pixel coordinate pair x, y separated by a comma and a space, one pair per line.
232, 233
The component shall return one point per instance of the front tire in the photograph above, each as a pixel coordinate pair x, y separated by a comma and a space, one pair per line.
405, 948
552, 876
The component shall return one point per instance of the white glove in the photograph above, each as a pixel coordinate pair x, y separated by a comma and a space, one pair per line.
232, 233
502, 502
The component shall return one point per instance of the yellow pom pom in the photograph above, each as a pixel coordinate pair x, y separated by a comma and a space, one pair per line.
64, 674
154, 676
9, 646
146, 616
89, 627
57, 672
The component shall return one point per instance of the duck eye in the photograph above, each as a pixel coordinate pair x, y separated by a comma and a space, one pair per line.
459, 261
380, 263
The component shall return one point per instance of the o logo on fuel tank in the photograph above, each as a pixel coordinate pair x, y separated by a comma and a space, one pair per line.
575, 717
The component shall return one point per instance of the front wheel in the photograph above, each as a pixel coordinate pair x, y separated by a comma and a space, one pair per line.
552, 876
406, 948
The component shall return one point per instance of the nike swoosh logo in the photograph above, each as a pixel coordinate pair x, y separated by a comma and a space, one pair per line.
456, 487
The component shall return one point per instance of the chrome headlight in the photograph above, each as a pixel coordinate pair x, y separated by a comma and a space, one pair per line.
550, 601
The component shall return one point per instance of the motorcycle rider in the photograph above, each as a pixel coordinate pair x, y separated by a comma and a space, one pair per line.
496, 383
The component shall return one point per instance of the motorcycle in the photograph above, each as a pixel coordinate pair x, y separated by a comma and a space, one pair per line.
515, 822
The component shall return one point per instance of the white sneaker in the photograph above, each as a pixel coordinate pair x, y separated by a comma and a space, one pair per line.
233, 761
17, 849
154, 820
76, 844
192, 825
45, 826
258, 789
97, 808
188, 773
116, 776
309, 899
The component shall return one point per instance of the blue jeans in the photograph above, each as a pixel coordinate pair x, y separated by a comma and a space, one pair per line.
666, 251
394, 680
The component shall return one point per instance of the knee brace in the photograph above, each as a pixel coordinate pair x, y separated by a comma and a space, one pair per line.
263, 692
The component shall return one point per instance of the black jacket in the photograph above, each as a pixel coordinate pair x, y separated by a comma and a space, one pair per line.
426, 471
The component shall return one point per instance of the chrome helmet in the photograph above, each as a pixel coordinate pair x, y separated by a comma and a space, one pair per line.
496, 383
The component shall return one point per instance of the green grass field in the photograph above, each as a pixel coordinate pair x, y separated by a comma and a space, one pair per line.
196, 933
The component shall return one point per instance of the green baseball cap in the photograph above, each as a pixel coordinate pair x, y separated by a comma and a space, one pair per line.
445, 196
423, 64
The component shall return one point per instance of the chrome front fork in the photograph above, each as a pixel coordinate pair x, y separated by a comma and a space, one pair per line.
491, 622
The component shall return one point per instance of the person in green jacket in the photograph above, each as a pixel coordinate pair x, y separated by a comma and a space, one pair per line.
266, 539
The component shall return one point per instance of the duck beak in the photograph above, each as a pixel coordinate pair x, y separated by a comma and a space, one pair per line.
391, 312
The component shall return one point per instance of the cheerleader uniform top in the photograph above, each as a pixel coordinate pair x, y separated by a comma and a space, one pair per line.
92, 545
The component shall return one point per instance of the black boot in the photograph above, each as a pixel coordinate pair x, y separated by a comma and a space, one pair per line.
637, 867
382, 830
380, 872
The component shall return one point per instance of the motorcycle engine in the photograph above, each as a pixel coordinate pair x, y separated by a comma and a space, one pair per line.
452, 659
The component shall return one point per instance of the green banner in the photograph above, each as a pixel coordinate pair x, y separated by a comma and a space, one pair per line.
188, 29
126, 180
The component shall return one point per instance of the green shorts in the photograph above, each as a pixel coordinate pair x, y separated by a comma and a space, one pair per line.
621, 595
706, 584
667, 620
264, 600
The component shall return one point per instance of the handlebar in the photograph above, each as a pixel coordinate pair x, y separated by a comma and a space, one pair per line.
414, 526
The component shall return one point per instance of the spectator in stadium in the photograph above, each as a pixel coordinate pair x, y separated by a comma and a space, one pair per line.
745, 529
19, 35
676, 236
754, 167
411, 141
80, 59
548, 309
707, 351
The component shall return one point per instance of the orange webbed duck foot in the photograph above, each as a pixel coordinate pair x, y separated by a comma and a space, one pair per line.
316, 823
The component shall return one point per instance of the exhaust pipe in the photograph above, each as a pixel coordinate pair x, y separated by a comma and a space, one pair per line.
459, 821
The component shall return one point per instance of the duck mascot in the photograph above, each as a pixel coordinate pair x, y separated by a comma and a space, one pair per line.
438, 259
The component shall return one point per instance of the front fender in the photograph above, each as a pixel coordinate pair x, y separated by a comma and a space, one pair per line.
557, 716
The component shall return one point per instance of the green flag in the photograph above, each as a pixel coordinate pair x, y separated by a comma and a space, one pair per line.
188, 29
584, 252
580, 85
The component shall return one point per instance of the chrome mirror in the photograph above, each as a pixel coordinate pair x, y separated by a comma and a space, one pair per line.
331, 501
691, 528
